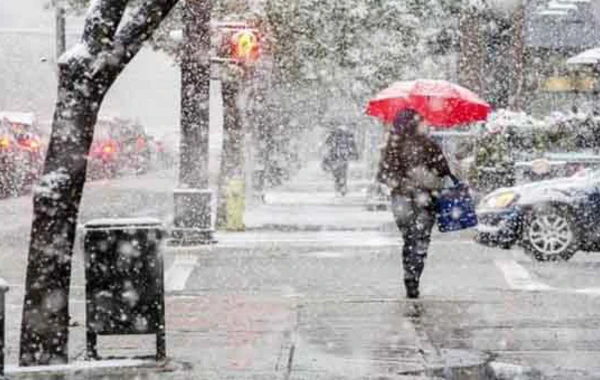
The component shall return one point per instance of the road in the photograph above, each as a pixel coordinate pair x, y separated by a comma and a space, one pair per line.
330, 304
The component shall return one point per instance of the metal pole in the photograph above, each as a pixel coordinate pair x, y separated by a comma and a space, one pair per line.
61, 43
3, 290
518, 56
231, 201
161, 334
195, 89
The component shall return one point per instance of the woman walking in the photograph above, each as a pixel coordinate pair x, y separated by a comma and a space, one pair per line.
413, 167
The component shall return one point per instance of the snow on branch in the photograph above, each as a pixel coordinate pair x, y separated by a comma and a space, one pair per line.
101, 23
106, 46
79, 52
144, 21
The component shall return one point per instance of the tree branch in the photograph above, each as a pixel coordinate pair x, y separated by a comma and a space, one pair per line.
136, 31
101, 23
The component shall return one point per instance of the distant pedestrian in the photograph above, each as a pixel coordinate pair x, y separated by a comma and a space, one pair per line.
341, 147
413, 167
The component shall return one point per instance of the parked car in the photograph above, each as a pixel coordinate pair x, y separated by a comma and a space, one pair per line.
120, 146
103, 158
550, 219
22, 151
11, 176
554, 165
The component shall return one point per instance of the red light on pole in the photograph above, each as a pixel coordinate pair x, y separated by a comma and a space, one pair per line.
245, 46
236, 43
4, 143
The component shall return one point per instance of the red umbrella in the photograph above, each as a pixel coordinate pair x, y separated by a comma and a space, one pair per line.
441, 103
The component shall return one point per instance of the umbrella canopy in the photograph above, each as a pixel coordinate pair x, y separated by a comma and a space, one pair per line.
441, 103
588, 57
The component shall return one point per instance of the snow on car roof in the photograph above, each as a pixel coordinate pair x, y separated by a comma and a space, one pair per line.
18, 117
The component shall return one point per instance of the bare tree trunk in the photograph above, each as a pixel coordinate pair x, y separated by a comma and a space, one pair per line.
195, 90
44, 331
85, 75
232, 158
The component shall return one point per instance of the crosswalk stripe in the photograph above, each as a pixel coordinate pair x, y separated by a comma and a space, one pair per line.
589, 291
179, 272
518, 277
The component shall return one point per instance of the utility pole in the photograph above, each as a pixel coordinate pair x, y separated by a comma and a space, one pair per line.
518, 56
193, 199
231, 180
471, 50
237, 50
61, 43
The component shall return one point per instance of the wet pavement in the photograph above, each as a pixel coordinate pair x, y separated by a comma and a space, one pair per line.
329, 304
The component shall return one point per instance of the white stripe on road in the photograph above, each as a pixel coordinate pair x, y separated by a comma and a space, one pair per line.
518, 277
178, 274
590, 291
326, 254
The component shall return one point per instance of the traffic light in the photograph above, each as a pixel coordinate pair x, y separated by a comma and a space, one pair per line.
237, 43
245, 45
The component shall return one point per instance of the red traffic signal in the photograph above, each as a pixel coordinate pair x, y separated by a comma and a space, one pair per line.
245, 46
237, 43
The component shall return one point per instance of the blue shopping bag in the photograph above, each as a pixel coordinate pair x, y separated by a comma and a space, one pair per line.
455, 209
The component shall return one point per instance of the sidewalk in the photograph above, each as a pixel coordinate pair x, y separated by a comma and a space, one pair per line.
308, 203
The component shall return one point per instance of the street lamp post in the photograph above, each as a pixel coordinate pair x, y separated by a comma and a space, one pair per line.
60, 22
193, 200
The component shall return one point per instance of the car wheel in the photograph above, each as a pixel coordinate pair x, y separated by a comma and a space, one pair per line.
550, 235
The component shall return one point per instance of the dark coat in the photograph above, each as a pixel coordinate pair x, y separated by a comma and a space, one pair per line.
341, 146
412, 162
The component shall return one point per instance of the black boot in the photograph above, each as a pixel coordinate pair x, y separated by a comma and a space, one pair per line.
412, 288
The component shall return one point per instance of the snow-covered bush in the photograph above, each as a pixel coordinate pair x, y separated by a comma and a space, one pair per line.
558, 132
508, 137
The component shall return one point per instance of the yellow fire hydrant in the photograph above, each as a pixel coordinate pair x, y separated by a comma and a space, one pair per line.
235, 205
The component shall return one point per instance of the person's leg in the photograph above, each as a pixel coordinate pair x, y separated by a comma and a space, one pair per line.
338, 175
417, 236
404, 215
412, 262
344, 178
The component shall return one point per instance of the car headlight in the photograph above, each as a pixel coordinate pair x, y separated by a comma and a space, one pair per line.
500, 200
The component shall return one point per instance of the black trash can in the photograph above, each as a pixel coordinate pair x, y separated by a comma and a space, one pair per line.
3, 290
124, 280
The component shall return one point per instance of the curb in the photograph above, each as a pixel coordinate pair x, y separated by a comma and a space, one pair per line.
387, 227
456, 364
94, 369
469, 365
506, 371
